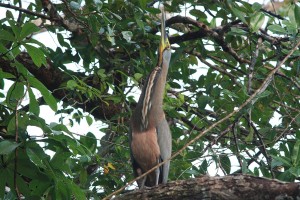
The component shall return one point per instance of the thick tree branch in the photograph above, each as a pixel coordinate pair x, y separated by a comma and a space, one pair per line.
228, 187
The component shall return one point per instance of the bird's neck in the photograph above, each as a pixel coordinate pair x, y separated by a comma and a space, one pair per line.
149, 109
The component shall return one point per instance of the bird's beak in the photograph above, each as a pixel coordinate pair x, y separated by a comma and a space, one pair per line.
164, 41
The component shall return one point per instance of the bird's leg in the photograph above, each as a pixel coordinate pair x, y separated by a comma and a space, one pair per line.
142, 181
157, 172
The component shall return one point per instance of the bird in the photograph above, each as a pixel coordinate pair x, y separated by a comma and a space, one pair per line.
150, 136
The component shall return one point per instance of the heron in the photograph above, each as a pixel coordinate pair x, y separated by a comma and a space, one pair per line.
150, 136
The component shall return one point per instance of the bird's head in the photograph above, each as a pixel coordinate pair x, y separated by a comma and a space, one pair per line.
164, 46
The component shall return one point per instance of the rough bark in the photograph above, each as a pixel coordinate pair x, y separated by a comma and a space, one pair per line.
218, 188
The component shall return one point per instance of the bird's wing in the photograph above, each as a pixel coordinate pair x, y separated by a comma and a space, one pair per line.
164, 139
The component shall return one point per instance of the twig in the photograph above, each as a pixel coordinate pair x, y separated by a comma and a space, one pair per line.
222, 71
16, 151
263, 149
75, 16
272, 14
20, 13
19, 101
251, 66
257, 92
225, 63
4, 5
216, 139
152, 3
236, 144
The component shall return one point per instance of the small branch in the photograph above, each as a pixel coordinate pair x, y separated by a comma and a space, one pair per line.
4, 5
262, 146
236, 144
251, 67
150, 4
271, 13
225, 63
75, 16
216, 139
16, 152
20, 13
222, 71
16, 140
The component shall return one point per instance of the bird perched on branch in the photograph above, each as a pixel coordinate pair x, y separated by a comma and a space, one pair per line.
150, 137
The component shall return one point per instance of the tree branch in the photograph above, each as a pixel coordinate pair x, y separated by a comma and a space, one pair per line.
4, 5
221, 188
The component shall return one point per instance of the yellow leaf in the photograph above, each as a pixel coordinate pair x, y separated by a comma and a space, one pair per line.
106, 170
111, 166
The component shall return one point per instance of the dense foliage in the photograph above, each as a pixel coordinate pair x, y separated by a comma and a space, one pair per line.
222, 53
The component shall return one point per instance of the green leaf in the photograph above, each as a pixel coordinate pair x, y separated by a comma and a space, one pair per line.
62, 41
7, 147
203, 101
249, 137
116, 15
256, 21
22, 186
225, 163
244, 166
295, 171
98, 4
5, 35
76, 191
74, 5
284, 160
33, 103
256, 6
28, 29
89, 141
83, 176
47, 96
36, 55
143, 4
15, 93
297, 14
14, 27
89, 120
286, 176
2, 183
277, 29
264, 94
197, 13
138, 76
239, 14
203, 167
72, 84
60, 161
36, 154
62, 190
296, 153
85, 159
237, 31
6, 75
230, 93
127, 35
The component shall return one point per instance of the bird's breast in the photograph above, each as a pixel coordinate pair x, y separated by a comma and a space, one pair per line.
145, 148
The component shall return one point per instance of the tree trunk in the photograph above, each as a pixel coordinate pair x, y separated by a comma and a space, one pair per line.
227, 187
